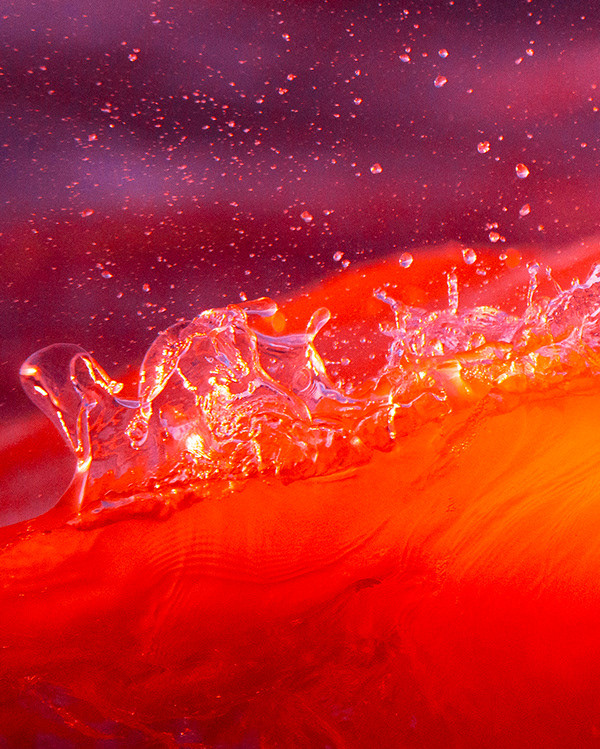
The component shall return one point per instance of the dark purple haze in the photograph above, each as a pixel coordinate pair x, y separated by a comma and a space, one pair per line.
159, 158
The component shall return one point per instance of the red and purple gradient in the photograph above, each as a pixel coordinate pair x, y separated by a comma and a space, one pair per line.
159, 159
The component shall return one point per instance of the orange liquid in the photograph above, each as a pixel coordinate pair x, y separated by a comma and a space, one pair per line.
444, 594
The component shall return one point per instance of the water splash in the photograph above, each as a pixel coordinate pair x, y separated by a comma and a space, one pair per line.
224, 397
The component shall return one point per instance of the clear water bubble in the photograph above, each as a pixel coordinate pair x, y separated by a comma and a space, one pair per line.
440, 81
443, 53
376, 169
306, 217
405, 58
522, 171
469, 255
406, 259
483, 146
525, 210
337, 256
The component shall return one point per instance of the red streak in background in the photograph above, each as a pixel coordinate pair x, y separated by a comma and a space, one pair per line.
445, 594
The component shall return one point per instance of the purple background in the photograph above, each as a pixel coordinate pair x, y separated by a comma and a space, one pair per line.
157, 158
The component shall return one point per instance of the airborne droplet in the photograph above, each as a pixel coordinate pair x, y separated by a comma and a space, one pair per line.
376, 169
525, 210
522, 171
440, 81
483, 147
469, 255
405, 259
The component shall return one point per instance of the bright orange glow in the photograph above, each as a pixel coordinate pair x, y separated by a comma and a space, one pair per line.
444, 594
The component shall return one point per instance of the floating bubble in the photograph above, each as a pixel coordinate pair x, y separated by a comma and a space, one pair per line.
483, 146
522, 171
405, 58
337, 256
306, 217
469, 255
406, 259
440, 81
525, 210
376, 169
443, 53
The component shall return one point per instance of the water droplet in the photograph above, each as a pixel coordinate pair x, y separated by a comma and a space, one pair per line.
443, 53
87, 212
405, 260
529, 52
358, 100
522, 171
494, 236
469, 255
452, 292
525, 210
405, 58
306, 217
483, 147
106, 274
146, 287
337, 256
376, 169
440, 81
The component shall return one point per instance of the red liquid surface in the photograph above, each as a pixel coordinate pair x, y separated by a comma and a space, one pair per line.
444, 594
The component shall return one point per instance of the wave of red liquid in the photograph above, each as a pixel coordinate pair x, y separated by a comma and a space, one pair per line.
444, 595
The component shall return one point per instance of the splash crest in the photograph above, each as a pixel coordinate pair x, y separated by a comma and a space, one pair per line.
224, 397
